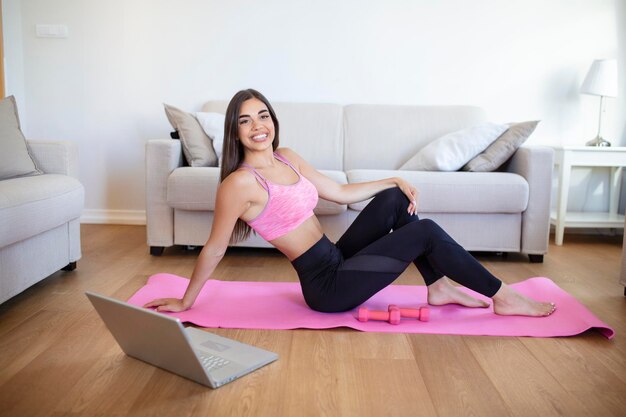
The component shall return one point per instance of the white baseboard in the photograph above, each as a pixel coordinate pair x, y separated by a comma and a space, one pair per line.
137, 217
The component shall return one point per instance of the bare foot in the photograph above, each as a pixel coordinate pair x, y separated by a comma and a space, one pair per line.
442, 292
508, 302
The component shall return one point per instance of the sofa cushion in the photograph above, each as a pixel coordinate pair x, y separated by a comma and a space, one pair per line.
32, 205
15, 158
457, 192
195, 189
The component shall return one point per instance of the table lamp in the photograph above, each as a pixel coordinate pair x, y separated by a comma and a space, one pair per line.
601, 80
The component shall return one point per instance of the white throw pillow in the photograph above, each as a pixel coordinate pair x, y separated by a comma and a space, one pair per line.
213, 126
450, 152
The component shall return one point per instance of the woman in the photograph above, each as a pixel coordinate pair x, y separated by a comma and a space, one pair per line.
274, 191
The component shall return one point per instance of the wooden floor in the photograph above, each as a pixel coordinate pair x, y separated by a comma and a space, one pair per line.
58, 359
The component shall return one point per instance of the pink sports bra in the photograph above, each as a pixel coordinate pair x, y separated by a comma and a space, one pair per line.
288, 206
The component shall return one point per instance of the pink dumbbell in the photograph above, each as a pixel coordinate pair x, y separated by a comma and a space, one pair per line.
421, 313
392, 315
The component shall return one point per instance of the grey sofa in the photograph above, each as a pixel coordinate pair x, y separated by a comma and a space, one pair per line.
40, 219
504, 211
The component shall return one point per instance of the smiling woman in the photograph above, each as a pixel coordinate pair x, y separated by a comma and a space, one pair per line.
238, 121
273, 191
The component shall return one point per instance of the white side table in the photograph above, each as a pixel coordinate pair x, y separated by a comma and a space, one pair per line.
588, 156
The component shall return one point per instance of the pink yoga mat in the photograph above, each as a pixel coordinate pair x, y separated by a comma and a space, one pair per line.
280, 305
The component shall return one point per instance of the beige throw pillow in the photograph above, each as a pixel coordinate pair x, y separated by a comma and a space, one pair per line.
15, 158
502, 149
197, 146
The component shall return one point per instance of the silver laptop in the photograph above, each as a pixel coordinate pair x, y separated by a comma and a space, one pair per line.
162, 341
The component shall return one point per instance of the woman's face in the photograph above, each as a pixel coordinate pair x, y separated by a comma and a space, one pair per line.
256, 127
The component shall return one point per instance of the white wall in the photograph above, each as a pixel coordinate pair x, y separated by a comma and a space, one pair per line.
103, 86
620, 16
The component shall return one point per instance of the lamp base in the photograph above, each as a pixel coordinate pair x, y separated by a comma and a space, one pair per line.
598, 141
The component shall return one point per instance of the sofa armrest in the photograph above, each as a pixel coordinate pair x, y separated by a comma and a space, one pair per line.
59, 157
535, 164
162, 157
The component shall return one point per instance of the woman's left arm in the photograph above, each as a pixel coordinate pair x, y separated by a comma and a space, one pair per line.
350, 193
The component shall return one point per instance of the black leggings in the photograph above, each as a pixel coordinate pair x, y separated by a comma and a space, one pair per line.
367, 258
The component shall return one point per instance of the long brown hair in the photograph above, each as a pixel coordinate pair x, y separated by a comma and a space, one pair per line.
232, 149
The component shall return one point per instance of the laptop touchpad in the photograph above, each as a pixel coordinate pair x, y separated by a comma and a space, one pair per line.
215, 346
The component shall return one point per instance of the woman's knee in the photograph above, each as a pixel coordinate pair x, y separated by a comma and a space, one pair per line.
430, 228
391, 196
429, 224
394, 192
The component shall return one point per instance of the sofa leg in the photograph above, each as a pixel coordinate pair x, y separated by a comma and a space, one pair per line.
535, 259
156, 250
69, 267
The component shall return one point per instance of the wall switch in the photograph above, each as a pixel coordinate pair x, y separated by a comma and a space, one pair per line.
51, 31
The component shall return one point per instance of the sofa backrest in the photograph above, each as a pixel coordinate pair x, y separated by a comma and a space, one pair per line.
363, 136
313, 130
386, 136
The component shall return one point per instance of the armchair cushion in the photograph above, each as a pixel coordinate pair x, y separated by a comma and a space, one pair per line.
47, 201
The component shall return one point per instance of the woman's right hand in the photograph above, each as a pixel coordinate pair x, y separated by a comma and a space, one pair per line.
411, 193
173, 305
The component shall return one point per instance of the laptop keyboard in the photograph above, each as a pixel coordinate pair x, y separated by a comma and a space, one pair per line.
212, 362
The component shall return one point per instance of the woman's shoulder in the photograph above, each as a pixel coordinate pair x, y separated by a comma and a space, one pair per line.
288, 154
239, 179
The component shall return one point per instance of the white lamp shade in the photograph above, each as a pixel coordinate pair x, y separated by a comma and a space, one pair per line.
601, 80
